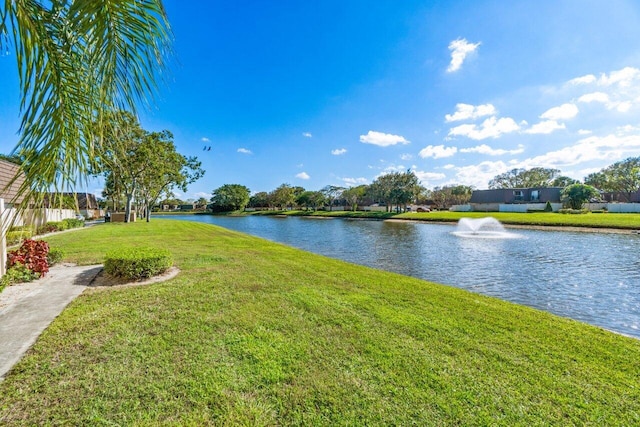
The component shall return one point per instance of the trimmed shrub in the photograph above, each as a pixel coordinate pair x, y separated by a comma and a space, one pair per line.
73, 223
137, 263
54, 256
548, 207
51, 227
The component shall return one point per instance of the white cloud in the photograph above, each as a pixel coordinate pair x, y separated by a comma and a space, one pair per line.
460, 49
205, 139
622, 78
338, 151
490, 128
589, 78
609, 148
601, 97
563, 112
382, 139
479, 175
244, 151
623, 107
595, 97
406, 157
545, 127
394, 168
355, 181
307, 134
303, 175
585, 132
448, 166
202, 194
466, 112
437, 151
428, 177
627, 129
485, 149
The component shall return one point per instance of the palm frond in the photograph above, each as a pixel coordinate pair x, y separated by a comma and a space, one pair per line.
78, 61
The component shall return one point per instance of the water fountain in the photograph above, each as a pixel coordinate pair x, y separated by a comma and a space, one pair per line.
483, 228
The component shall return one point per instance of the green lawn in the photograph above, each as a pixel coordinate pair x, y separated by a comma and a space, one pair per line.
257, 333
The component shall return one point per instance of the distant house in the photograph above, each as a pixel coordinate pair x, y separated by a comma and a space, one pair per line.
187, 207
620, 197
529, 198
85, 203
84, 200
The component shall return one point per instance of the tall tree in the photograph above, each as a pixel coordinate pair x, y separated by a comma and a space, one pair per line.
283, 196
563, 181
355, 195
166, 169
311, 199
201, 203
143, 165
597, 180
524, 178
122, 154
450, 195
577, 194
405, 188
380, 190
78, 60
230, 197
259, 200
621, 177
331, 193
396, 188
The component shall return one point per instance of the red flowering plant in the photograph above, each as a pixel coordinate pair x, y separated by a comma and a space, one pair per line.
33, 255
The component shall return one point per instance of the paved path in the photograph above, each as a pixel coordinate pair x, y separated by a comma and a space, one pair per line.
27, 309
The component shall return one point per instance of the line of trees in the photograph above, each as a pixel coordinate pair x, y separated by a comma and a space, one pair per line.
398, 189
394, 190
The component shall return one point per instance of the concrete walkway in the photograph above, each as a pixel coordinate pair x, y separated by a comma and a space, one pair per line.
27, 309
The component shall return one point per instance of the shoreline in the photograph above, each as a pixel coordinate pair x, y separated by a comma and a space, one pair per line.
570, 228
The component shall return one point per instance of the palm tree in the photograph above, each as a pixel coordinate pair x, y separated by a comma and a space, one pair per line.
77, 61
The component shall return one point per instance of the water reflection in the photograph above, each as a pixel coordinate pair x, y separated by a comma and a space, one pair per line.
585, 276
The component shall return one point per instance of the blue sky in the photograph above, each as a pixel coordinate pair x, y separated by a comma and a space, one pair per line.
337, 92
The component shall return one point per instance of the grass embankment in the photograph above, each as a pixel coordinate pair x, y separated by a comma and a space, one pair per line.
256, 333
629, 221
592, 220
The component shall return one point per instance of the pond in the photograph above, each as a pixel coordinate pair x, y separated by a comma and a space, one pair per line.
591, 277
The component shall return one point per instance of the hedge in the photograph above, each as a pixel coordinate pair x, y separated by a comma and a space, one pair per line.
137, 263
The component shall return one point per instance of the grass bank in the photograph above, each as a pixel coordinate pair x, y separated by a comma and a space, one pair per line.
629, 221
592, 220
256, 333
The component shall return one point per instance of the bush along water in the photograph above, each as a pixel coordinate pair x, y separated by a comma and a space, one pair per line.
27, 263
137, 263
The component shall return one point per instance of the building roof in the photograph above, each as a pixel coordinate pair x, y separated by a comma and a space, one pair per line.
11, 179
85, 200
